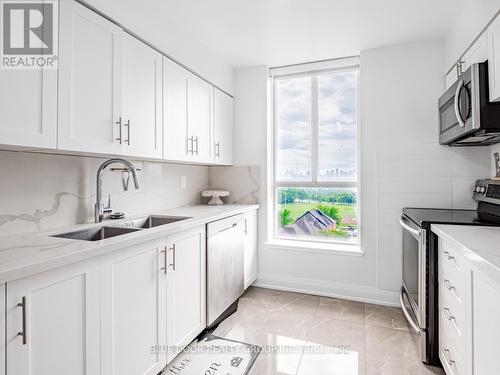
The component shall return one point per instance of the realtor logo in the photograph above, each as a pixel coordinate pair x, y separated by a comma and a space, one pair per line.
29, 34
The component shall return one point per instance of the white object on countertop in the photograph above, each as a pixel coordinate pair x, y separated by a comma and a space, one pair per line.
215, 195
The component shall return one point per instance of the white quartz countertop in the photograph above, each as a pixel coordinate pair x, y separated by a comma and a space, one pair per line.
24, 255
480, 246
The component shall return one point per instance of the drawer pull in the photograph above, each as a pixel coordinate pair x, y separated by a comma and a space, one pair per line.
447, 254
447, 356
447, 284
446, 312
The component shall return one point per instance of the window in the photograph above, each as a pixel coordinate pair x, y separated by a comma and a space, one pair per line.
316, 155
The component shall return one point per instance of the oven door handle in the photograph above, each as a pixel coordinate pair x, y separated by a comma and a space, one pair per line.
456, 104
407, 314
405, 226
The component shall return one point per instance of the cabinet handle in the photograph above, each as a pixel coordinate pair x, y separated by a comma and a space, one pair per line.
447, 254
196, 140
447, 356
23, 333
119, 123
217, 149
188, 150
127, 125
446, 311
173, 257
164, 268
447, 284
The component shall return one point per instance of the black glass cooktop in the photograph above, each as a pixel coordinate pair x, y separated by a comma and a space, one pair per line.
424, 217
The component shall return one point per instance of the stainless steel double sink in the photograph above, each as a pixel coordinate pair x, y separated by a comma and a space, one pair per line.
108, 231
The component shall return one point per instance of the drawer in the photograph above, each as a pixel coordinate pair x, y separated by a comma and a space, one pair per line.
451, 348
453, 281
450, 258
452, 312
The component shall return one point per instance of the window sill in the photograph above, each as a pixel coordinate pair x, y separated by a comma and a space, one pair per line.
315, 247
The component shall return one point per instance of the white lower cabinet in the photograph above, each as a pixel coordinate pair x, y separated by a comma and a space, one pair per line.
133, 310
250, 248
186, 288
486, 318
57, 313
469, 312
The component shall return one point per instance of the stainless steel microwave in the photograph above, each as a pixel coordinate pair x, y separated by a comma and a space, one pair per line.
466, 115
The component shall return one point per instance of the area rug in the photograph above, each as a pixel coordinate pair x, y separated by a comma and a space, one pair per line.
214, 355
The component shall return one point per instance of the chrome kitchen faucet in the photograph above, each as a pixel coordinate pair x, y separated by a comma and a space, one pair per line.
99, 207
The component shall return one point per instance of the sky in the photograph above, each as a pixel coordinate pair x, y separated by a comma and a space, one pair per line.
337, 119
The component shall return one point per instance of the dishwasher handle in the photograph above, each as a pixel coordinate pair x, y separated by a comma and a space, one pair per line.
228, 223
229, 227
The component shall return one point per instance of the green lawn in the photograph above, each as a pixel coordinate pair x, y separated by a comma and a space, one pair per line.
297, 209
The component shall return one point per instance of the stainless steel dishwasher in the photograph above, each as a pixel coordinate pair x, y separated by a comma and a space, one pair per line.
225, 279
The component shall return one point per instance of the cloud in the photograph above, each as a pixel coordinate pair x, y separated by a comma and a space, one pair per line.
337, 115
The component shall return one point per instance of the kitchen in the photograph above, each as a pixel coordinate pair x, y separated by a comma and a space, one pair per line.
309, 187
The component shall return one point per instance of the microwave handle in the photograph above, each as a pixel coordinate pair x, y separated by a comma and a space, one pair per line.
460, 85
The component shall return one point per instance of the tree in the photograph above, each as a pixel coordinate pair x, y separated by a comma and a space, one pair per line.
285, 216
331, 211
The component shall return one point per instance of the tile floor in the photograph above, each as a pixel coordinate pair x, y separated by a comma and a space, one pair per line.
323, 336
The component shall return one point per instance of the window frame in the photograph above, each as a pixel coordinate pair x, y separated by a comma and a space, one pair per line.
309, 70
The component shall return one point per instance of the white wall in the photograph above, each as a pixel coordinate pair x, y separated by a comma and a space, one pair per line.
153, 22
474, 15
402, 165
40, 192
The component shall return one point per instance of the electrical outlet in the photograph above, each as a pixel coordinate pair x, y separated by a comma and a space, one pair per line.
183, 182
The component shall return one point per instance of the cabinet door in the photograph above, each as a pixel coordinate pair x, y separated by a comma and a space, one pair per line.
28, 104
186, 288
494, 59
61, 322
175, 139
199, 105
250, 248
133, 303
142, 85
486, 330
223, 118
90, 93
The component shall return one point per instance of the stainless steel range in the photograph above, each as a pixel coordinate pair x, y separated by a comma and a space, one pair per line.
418, 295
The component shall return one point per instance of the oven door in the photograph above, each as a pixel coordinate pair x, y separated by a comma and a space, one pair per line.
413, 291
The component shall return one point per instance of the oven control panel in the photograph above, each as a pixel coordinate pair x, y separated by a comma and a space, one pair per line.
487, 191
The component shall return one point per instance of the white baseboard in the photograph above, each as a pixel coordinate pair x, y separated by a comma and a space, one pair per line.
322, 288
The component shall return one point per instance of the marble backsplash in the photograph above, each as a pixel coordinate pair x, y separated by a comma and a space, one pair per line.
243, 182
40, 191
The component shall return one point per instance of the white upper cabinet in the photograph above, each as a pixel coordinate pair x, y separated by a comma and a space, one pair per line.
175, 81
57, 313
187, 113
494, 59
28, 104
142, 110
223, 128
90, 80
114, 95
133, 310
199, 106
